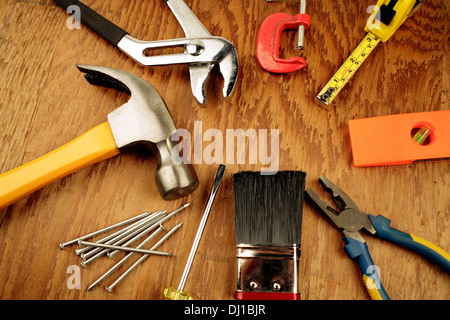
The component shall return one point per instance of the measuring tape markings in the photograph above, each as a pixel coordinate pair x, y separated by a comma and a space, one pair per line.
348, 68
386, 17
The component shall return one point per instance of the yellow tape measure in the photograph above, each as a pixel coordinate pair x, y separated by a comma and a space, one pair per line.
348, 68
385, 19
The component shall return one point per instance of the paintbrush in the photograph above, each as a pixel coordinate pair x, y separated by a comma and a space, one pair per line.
268, 221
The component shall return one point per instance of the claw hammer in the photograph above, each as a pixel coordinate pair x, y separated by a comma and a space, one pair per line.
143, 120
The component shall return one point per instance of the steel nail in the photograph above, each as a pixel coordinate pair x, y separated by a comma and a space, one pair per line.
119, 239
101, 251
149, 228
103, 240
161, 221
62, 245
124, 259
129, 255
123, 248
145, 256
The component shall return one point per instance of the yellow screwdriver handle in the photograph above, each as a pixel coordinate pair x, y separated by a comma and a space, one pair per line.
95, 145
175, 294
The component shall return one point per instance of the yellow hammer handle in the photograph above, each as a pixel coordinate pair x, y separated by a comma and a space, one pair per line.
95, 145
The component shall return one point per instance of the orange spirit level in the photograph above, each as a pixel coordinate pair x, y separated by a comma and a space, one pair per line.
392, 140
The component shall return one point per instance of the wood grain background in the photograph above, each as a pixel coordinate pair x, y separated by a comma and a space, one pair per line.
45, 102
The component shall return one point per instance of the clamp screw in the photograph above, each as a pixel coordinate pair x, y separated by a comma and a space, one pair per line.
301, 28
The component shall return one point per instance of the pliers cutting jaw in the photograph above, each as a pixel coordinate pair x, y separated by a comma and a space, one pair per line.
221, 50
350, 220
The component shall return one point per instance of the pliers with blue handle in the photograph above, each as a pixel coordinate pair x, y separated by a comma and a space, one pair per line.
351, 220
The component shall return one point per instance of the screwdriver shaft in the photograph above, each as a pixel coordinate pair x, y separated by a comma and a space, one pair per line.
217, 181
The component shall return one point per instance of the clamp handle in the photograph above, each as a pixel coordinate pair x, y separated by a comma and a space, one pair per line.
268, 43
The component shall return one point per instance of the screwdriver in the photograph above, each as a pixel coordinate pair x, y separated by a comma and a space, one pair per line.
178, 294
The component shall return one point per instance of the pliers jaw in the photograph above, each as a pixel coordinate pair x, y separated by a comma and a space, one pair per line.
350, 220
206, 51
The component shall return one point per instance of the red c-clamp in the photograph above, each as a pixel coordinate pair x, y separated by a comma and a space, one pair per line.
268, 43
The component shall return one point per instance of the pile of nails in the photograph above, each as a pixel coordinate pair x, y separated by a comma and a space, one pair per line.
121, 240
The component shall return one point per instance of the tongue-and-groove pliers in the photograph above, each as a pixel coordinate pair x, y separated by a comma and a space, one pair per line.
351, 220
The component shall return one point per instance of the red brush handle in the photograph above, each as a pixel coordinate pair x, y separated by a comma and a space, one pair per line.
242, 295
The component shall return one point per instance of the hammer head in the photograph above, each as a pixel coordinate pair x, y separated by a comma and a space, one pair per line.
145, 120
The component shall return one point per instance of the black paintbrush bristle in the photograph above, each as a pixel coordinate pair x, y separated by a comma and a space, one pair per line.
268, 208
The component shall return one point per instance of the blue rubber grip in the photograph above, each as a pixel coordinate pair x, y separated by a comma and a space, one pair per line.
359, 251
425, 248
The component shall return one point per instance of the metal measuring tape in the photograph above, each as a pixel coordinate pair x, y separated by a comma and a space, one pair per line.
348, 68
384, 20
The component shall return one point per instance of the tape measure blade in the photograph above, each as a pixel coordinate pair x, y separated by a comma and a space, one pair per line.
347, 69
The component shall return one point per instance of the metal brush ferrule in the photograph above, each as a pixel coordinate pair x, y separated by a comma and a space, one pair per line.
267, 269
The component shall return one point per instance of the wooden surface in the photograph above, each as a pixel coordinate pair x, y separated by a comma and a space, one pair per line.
45, 102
